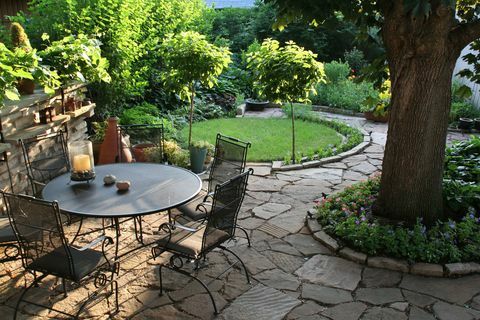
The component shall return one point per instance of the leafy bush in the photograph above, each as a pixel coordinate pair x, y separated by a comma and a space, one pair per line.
355, 59
147, 113
347, 215
462, 175
463, 110
345, 94
336, 71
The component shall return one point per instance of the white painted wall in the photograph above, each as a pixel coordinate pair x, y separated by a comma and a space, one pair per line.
474, 86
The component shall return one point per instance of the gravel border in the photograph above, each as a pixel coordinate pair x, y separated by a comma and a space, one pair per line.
448, 270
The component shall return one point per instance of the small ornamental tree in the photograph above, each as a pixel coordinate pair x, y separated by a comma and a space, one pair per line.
285, 74
189, 59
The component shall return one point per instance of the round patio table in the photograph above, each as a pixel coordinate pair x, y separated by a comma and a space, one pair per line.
154, 188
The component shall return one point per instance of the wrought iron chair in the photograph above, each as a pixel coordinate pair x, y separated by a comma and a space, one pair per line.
229, 160
8, 241
45, 158
195, 240
141, 137
45, 249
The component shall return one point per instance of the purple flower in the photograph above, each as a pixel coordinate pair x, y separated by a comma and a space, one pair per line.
451, 224
363, 218
357, 222
472, 216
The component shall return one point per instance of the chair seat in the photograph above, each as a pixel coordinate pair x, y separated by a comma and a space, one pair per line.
190, 209
190, 243
6, 231
56, 263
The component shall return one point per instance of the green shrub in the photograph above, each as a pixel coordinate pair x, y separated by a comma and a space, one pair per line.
336, 71
462, 175
355, 59
345, 94
144, 113
463, 110
347, 215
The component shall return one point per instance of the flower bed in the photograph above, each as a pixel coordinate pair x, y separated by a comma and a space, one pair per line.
347, 216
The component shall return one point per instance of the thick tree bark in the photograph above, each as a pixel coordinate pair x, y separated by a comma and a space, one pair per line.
421, 58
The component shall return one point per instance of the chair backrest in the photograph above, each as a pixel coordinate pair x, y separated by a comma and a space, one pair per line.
140, 137
38, 229
228, 161
222, 219
45, 158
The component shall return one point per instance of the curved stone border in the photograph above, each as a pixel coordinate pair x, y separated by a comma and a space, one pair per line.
277, 165
424, 269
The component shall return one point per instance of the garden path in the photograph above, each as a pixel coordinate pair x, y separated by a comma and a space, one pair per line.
294, 276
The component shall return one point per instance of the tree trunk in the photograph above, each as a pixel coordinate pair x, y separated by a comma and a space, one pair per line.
191, 115
421, 66
293, 132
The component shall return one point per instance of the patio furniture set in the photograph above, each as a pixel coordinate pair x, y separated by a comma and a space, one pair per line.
36, 229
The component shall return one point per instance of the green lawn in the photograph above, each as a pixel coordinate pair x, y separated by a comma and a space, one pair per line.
270, 138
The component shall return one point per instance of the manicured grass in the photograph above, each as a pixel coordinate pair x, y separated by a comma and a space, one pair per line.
270, 138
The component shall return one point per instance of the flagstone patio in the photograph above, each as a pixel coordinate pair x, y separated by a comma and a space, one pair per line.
294, 276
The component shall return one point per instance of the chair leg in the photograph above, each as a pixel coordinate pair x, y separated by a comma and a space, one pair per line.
160, 278
201, 283
238, 258
64, 286
138, 230
34, 283
246, 234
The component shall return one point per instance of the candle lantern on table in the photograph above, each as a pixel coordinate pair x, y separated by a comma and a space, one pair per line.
81, 161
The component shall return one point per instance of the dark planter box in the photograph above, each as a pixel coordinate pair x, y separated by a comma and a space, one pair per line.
465, 124
254, 105
372, 117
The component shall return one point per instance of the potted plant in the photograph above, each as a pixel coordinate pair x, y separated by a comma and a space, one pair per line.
99, 129
198, 152
189, 59
20, 41
465, 124
254, 102
477, 124
210, 153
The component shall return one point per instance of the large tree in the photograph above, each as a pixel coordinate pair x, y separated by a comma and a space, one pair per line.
423, 40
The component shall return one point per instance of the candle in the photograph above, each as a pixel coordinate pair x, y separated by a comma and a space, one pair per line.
81, 162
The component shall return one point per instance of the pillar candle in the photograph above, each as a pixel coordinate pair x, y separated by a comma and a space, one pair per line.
81, 162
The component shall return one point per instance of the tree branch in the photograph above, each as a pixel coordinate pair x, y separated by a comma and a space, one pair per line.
464, 33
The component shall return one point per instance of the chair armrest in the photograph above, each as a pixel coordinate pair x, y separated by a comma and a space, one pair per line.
94, 243
184, 227
209, 195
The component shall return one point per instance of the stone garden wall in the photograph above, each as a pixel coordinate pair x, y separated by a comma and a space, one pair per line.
22, 120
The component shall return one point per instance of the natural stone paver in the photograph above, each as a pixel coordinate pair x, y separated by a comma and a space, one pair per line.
446, 311
452, 290
373, 277
331, 271
419, 314
269, 210
306, 244
315, 284
325, 295
377, 313
379, 295
260, 303
278, 279
309, 308
418, 299
346, 311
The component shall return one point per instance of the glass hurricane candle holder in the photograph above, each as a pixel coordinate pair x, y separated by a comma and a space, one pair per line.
81, 161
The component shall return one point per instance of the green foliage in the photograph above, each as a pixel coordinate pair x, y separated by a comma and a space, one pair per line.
144, 113
463, 110
77, 58
287, 73
189, 58
462, 175
235, 26
347, 216
336, 71
355, 59
201, 144
19, 37
130, 31
345, 94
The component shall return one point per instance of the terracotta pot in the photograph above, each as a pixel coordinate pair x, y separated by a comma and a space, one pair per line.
96, 145
109, 148
138, 151
25, 86
369, 115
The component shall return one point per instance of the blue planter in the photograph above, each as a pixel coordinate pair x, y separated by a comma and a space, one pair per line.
197, 159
